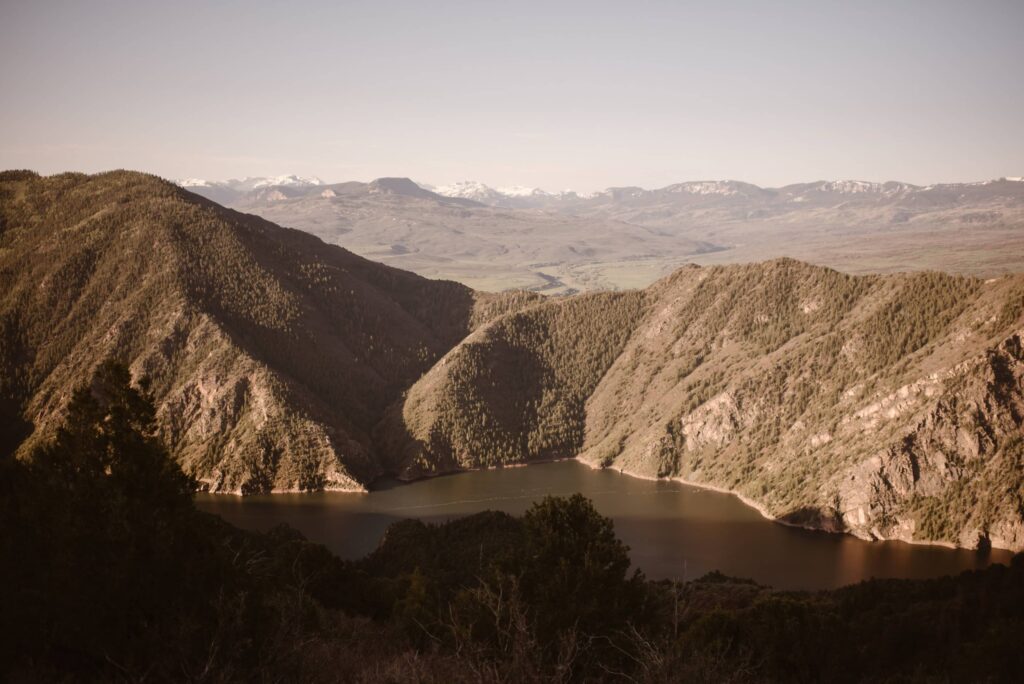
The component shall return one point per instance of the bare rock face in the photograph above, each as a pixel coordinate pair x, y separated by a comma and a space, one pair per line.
714, 423
237, 426
953, 467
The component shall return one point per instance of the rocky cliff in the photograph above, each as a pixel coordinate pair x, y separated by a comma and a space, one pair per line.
887, 406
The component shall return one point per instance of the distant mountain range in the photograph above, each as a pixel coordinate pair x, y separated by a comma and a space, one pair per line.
523, 196
397, 221
512, 196
890, 406
493, 239
228, 191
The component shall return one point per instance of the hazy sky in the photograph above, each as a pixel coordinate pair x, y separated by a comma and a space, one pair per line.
555, 94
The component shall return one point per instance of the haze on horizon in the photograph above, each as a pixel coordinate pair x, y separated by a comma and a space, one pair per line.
580, 95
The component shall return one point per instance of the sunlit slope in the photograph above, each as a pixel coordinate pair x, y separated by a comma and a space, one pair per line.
890, 406
271, 354
630, 237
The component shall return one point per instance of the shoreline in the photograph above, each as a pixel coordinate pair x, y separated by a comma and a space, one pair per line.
750, 503
763, 511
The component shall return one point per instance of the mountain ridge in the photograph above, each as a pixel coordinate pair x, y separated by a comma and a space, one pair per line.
895, 395
484, 193
888, 406
271, 354
629, 237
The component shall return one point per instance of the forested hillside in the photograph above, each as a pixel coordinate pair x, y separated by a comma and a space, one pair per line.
513, 391
887, 406
271, 355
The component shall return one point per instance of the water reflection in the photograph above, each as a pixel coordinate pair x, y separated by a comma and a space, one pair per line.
674, 531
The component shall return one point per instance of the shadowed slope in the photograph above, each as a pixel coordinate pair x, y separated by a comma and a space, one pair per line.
514, 390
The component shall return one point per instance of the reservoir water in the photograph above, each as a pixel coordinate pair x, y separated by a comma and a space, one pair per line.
673, 530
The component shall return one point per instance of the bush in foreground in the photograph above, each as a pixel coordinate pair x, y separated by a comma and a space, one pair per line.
110, 574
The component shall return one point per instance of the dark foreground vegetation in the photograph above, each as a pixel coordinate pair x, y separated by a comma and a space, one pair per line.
109, 573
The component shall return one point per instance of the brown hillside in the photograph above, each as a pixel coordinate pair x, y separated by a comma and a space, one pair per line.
513, 391
271, 354
889, 406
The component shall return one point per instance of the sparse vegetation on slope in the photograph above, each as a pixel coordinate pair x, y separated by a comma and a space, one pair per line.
865, 404
272, 355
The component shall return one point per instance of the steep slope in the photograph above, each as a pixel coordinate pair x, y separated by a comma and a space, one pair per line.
888, 406
514, 390
271, 354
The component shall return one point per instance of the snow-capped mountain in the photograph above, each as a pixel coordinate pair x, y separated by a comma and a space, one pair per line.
523, 191
856, 187
193, 183
250, 183
725, 188
467, 189
288, 181
736, 197
229, 191
512, 195
533, 237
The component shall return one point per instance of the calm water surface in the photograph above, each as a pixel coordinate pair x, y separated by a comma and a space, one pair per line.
673, 530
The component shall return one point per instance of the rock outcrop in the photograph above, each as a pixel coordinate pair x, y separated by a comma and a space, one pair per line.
886, 406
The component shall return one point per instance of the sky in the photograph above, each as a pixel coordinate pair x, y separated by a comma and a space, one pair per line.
550, 94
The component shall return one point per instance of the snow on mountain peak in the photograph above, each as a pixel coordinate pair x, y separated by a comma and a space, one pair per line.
289, 180
193, 183
252, 182
465, 189
853, 187
849, 187
704, 188
475, 190
522, 191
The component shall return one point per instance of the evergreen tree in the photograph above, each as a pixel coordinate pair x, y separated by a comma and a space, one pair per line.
103, 544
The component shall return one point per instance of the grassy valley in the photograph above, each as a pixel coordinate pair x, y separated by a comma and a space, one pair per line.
624, 238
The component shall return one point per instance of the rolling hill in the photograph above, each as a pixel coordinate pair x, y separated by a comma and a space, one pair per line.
626, 237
